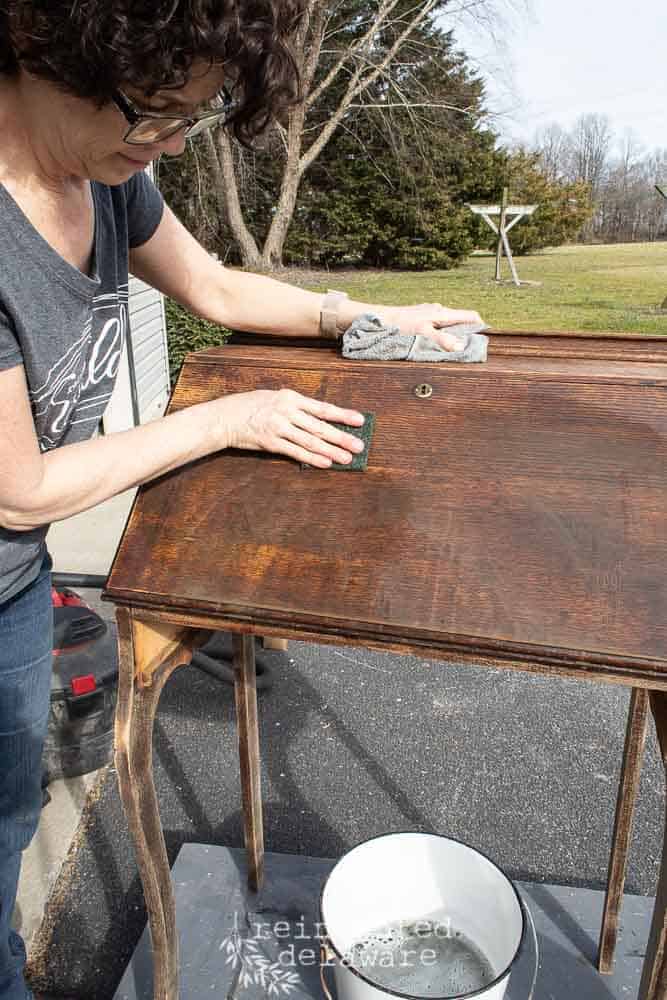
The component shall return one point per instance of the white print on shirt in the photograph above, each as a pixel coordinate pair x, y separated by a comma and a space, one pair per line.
93, 360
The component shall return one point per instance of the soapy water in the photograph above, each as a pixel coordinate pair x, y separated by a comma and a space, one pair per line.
424, 958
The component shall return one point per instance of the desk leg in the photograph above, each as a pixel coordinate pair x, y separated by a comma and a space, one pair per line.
653, 984
635, 737
148, 656
245, 694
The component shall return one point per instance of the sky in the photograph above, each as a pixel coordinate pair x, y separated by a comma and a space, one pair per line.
553, 60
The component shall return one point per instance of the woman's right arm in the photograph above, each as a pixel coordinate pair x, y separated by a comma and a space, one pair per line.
37, 488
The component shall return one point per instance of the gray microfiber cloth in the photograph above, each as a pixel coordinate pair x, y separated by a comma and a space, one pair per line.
368, 339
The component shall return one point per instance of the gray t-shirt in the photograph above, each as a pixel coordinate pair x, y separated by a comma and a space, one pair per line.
68, 330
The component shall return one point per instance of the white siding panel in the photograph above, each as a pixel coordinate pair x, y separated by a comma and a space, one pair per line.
149, 342
149, 361
139, 287
144, 315
144, 371
149, 351
143, 301
118, 415
151, 385
148, 332
149, 358
148, 367
141, 311
155, 398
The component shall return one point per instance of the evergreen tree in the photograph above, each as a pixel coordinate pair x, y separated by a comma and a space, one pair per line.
390, 189
388, 143
389, 186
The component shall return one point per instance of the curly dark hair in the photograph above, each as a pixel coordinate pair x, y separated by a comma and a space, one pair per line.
93, 47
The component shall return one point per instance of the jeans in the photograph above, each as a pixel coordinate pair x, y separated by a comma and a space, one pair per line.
26, 649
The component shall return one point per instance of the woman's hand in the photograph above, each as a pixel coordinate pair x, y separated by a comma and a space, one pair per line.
288, 423
430, 320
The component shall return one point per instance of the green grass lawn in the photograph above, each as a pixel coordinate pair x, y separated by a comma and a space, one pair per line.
603, 288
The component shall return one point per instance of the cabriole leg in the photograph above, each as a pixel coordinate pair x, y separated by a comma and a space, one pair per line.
148, 656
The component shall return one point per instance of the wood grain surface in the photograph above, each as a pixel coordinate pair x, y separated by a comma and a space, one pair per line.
521, 504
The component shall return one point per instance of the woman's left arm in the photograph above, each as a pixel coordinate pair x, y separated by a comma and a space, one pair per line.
175, 263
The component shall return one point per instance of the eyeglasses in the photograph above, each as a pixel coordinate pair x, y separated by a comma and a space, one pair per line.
148, 127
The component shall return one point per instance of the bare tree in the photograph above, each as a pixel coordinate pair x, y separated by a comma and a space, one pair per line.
357, 68
631, 152
626, 205
591, 139
554, 146
656, 165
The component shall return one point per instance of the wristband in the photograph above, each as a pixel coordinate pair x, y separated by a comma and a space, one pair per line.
329, 314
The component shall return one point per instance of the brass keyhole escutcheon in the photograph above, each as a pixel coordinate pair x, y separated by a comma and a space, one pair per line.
424, 390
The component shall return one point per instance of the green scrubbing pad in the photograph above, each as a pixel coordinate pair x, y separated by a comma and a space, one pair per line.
365, 433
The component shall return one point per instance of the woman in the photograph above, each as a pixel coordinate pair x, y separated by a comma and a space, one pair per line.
91, 91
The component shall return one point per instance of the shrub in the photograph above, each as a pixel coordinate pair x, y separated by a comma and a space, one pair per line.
186, 333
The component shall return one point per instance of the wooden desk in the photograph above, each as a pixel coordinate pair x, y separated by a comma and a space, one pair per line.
511, 516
